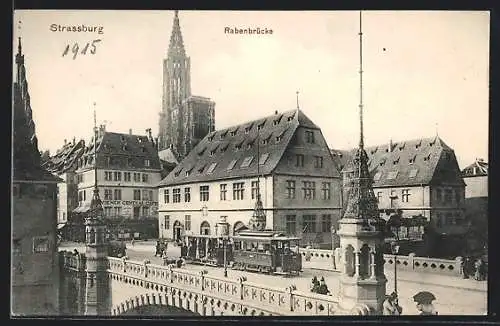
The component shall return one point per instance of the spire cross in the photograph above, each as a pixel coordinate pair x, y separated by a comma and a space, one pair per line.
361, 136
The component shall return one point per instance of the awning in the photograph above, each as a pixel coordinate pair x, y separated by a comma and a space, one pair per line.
83, 208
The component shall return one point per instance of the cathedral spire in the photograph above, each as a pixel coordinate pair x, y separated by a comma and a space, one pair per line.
361, 201
176, 43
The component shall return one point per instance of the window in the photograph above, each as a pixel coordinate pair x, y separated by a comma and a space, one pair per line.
379, 196
238, 190
263, 158
118, 194
255, 189
211, 168
291, 224
326, 223
458, 197
413, 173
309, 188
108, 194
377, 176
318, 161
108, 175
147, 195
412, 159
204, 193
393, 198
117, 211
223, 191
108, 211
166, 222
146, 163
187, 194
187, 222
176, 195
117, 176
309, 224
438, 195
246, 162
290, 189
448, 195
41, 244
231, 165
64, 216
299, 160
166, 196
137, 194
145, 211
325, 189
392, 175
145, 177
137, 211
16, 246
126, 176
405, 195
310, 136
137, 177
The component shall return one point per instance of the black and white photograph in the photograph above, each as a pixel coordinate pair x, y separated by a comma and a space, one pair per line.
249, 163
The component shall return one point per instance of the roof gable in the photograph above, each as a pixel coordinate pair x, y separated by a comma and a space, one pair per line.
234, 152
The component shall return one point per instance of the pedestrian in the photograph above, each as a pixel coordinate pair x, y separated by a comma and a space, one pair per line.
463, 267
157, 252
391, 307
479, 269
323, 288
315, 285
426, 309
133, 242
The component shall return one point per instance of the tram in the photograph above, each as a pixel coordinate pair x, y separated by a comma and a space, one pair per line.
268, 252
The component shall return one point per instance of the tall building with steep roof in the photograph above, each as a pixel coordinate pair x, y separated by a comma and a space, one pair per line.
34, 260
185, 119
283, 156
418, 178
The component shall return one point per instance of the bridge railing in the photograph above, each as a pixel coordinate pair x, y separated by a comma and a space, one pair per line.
271, 299
410, 263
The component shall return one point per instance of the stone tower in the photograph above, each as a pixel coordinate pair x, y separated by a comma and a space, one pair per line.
96, 252
184, 119
362, 281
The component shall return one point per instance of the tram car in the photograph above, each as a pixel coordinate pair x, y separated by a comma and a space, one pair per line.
258, 251
117, 248
266, 252
207, 250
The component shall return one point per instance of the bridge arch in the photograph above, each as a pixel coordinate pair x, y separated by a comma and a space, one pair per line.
155, 304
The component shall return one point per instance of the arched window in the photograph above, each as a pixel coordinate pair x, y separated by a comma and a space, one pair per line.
205, 228
349, 261
364, 261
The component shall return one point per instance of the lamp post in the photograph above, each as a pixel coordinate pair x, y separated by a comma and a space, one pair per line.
395, 223
223, 226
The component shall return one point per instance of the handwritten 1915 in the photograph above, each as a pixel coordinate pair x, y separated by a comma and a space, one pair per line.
75, 49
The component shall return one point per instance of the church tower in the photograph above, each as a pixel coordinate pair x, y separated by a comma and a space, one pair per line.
362, 281
96, 250
184, 119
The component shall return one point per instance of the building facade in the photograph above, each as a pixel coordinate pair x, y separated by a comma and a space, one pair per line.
476, 179
185, 119
64, 164
128, 171
416, 179
283, 156
34, 256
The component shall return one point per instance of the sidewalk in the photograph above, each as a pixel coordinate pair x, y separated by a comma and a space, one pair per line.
419, 278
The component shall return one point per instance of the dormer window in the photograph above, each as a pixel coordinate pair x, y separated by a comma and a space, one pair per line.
139, 140
223, 135
211, 168
382, 163
188, 172
248, 128
124, 147
233, 133
261, 125
277, 120
210, 138
427, 158
263, 158
290, 118
224, 148
147, 163
418, 144
200, 170
202, 151
392, 175
377, 176
373, 151
212, 152
412, 159
143, 149
178, 172
413, 173
402, 146
246, 162
395, 161
432, 143
231, 165
238, 146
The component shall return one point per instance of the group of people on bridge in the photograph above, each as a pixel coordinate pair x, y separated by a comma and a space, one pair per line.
319, 287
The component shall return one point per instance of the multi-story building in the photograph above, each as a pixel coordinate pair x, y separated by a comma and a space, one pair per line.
64, 164
284, 156
128, 172
418, 179
185, 119
34, 254
476, 203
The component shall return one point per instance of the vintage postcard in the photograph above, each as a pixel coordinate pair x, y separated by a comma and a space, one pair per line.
253, 163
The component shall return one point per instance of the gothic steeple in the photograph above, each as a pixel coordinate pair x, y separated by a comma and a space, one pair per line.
176, 46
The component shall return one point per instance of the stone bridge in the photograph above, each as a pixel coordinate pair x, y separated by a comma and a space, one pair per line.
133, 286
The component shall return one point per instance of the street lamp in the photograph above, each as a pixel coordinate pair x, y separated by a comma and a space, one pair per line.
395, 249
395, 223
223, 226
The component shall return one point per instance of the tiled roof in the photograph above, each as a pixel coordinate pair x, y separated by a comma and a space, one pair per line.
27, 163
232, 152
121, 151
411, 162
66, 158
478, 168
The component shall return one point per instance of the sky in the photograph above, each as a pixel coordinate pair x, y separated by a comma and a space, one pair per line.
425, 72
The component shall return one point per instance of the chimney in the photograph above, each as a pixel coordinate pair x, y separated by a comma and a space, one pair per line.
390, 146
479, 159
74, 139
276, 112
130, 131
65, 141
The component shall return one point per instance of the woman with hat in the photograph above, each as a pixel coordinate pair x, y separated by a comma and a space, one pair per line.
390, 306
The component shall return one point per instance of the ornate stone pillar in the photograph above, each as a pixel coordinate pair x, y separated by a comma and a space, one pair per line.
356, 263
372, 265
